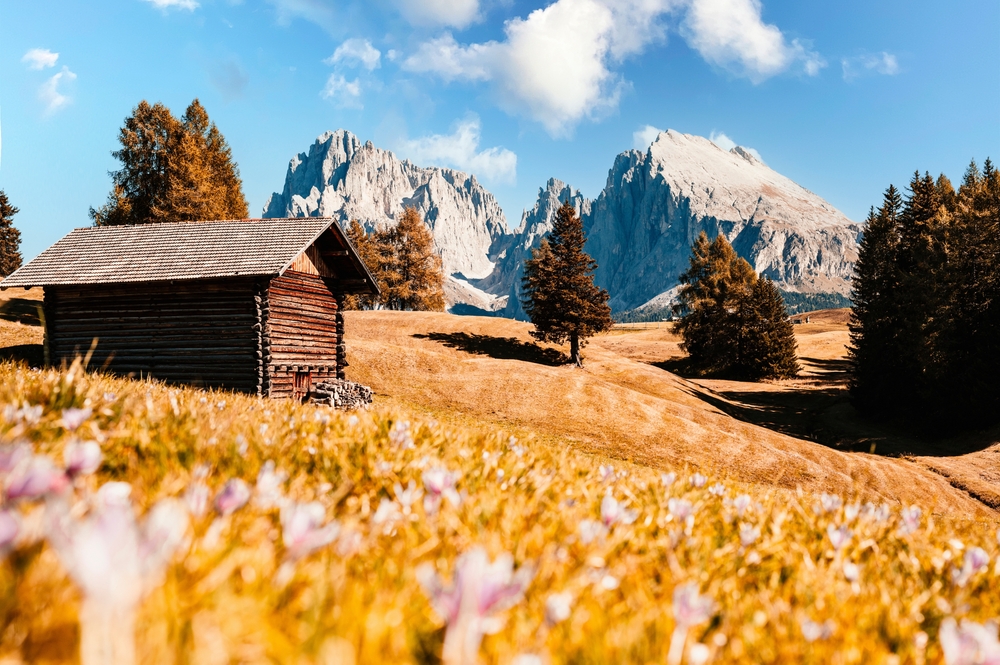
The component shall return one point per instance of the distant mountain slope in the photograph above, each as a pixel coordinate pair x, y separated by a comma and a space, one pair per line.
640, 229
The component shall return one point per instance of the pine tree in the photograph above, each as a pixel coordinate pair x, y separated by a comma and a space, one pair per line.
412, 271
766, 347
10, 237
172, 170
558, 287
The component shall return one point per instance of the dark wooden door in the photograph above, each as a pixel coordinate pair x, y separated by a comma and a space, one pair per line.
301, 386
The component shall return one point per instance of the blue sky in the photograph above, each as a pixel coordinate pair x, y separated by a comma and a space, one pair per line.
843, 97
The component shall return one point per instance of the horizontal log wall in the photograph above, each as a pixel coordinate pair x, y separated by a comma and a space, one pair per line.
201, 332
301, 331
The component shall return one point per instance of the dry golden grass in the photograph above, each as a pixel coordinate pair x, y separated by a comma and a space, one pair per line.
622, 406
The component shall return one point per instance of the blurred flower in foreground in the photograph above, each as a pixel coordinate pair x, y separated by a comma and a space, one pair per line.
613, 512
400, 436
690, 609
234, 495
748, 534
303, 532
591, 530
877, 514
35, 478
12, 455
478, 592
969, 644
558, 607
387, 512
197, 494
975, 560
813, 631
828, 503
668, 479
268, 493
607, 473
115, 562
741, 503
839, 536
851, 571
681, 509
698, 480
407, 497
911, 520
10, 527
82, 458
73, 418
718, 489
440, 484
698, 654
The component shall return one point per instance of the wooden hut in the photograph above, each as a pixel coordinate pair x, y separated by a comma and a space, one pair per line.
251, 305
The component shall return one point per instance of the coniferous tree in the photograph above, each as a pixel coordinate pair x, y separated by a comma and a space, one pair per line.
412, 271
560, 296
172, 170
367, 251
10, 237
733, 322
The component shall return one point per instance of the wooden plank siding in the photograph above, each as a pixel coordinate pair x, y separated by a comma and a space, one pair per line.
201, 332
303, 333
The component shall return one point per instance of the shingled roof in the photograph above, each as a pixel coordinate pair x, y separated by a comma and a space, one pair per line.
177, 251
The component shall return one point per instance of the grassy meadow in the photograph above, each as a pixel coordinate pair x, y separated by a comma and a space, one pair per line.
450, 523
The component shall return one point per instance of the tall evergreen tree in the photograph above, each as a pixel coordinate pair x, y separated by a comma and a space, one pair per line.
732, 322
414, 279
172, 170
10, 238
368, 252
560, 296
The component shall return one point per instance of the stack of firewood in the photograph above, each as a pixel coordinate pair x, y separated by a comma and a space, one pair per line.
341, 394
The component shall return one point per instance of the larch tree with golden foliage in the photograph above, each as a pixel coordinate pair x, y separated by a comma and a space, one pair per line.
172, 170
561, 298
404, 264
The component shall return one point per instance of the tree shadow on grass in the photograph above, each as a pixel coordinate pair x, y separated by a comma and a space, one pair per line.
32, 354
501, 348
823, 413
21, 310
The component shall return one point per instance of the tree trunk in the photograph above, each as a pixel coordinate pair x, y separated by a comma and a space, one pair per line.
574, 349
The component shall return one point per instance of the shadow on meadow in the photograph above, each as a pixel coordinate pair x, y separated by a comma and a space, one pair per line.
817, 407
21, 310
501, 348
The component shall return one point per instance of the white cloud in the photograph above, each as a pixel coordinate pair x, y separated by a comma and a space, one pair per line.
733, 35
643, 137
50, 94
319, 12
354, 52
557, 65
189, 5
870, 63
40, 58
447, 13
343, 93
460, 150
727, 144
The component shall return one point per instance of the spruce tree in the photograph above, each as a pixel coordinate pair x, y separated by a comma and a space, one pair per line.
10, 238
172, 170
560, 296
766, 347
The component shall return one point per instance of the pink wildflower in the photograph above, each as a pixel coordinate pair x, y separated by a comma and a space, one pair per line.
607, 473
748, 534
10, 527
302, 529
407, 497
268, 493
591, 530
73, 418
234, 495
479, 591
668, 479
828, 503
681, 509
400, 436
440, 484
839, 536
613, 512
12, 455
698, 480
35, 478
741, 503
911, 520
690, 609
82, 458
969, 644
558, 607
975, 560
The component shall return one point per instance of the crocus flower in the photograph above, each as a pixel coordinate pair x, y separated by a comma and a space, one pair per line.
812, 631
12, 455
10, 527
681, 509
748, 534
440, 484
839, 536
73, 418
197, 495
591, 530
718, 489
302, 529
607, 473
877, 514
268, 493
690, 609
975, 560
741, 503
698, 480
668, 479
234, 495
911, 520
400, 435
115, 562
828, 503
969, 644
698, 654
407, 497
851, 571
613, 512
387, 512
470, 605
558, 607
82, 458
851, 511
35, 478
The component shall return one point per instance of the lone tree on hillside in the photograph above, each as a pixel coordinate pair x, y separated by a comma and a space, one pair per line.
558, 284
403, 262
10, 238
172, 170
732, 321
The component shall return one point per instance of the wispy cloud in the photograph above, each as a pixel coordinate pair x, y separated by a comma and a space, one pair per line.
320, 12
727, 144
869, 63
343, 93
446, 13
559, 64
356, 52
644, 136
189, 5
50, 93
40, 58
460, 150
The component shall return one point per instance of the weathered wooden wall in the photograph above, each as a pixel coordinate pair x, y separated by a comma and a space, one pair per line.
301, 332
204, 332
